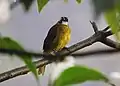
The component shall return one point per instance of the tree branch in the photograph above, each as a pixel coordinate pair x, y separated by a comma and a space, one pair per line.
98, 36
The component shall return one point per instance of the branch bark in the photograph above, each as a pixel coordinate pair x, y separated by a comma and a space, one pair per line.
98, 36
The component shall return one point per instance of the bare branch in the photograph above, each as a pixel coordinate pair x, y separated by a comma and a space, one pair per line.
98, 36
21, 70
95, 28
106, 28
111, 43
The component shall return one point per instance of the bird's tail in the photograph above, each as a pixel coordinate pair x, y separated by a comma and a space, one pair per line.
41, 70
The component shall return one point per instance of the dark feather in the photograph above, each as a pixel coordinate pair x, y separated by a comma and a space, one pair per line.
52, 33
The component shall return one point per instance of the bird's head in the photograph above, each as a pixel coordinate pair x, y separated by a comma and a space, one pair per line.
63, 20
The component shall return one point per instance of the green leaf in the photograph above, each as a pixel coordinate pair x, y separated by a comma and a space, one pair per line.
101, 6
78, 74
113, 19
118, 5
110, 17
78, 1
26, 4
8, 43
111, 10
66, 1
41, 4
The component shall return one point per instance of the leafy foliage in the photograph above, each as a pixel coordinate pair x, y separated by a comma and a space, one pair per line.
79, 74
65, 0
8, 43
78, 1
113, 19
41, 4
101, 6
111, 10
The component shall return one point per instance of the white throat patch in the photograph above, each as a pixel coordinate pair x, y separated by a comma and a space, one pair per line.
65, 23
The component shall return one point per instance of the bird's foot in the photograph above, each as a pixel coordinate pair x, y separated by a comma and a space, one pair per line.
66, 49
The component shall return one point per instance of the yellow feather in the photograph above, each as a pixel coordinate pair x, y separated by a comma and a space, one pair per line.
62, 38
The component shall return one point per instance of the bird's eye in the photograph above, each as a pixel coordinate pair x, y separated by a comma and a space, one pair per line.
62, 18
65, 19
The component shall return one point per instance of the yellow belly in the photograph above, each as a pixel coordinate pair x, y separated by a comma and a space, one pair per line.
63, 38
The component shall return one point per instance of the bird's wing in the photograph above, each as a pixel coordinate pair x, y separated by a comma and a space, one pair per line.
52, 33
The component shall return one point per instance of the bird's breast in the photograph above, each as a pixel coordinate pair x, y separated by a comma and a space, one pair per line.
63, 37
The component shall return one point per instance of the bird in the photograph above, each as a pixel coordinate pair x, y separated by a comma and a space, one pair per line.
57, 38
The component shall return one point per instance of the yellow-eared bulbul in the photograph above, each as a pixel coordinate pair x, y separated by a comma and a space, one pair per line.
57, 38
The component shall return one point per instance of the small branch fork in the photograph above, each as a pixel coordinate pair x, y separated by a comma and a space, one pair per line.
98, 36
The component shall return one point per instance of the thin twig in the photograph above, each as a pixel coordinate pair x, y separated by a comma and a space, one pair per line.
95, 28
